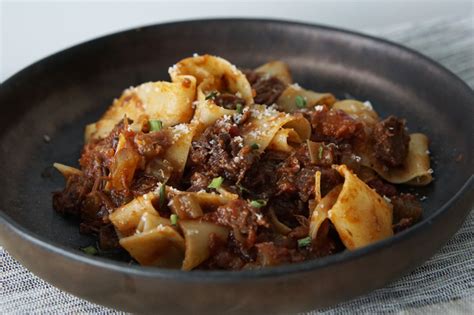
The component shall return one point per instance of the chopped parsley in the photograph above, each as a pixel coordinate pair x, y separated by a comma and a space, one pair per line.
239, 108
174, 219
162, 196
300, 101
258, 203
254, 146
304, 242
320, 152
90, 250
211, 95
216, 182
156, 125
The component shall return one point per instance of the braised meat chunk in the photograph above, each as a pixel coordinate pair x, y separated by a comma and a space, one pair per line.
391, 141
267, 88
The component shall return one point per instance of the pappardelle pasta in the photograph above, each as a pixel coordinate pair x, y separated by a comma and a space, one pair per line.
232, 169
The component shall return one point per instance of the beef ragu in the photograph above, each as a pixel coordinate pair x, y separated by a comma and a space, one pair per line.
229, 169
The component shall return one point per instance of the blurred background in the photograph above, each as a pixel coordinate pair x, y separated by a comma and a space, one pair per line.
31, 30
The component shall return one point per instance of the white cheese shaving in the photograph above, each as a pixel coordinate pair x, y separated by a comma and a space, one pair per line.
180, 130
172, 69
356, 158
368, 104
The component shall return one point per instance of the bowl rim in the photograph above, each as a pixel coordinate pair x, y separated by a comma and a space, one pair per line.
224, 275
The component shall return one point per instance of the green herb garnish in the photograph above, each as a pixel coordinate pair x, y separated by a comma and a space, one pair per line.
216, 183
258, 203
90, 250
300, 101
304, 242
254, 146
320, 152
239, 108
211, 95
156, 125
162, 196
174, 219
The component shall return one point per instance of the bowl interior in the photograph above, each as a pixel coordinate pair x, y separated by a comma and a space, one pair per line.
58, 96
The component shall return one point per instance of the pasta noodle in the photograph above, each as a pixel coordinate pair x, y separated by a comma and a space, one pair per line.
265, 123
358, 110
170, 102
161, 246
213, 74
360, 215
197, 237
283, 139
276, 69
287, 100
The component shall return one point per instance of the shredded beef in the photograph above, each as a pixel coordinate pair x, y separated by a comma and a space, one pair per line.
143, 184
391, 141
228, 100
152, 144
69, 201
108, 239
267, 88
382, 188
220, 152
333, 125
224, 255
242, 218
262, 176
296, 174
97, 155
268, 254
406, 206
329, 245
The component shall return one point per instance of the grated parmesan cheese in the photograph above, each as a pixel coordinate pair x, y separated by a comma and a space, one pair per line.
368, 105
356, 158
173, 69
180, 130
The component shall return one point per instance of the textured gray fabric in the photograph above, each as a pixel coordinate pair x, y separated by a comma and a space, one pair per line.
442, 285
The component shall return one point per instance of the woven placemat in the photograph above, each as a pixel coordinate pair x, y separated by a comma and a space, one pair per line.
444, 284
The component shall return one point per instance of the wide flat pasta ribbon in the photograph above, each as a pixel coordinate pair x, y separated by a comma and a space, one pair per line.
359, 215
266, 122
170, 102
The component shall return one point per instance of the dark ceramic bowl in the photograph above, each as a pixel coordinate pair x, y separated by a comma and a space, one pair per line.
59, 95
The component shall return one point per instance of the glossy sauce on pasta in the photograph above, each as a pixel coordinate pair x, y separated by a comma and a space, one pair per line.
228, 169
